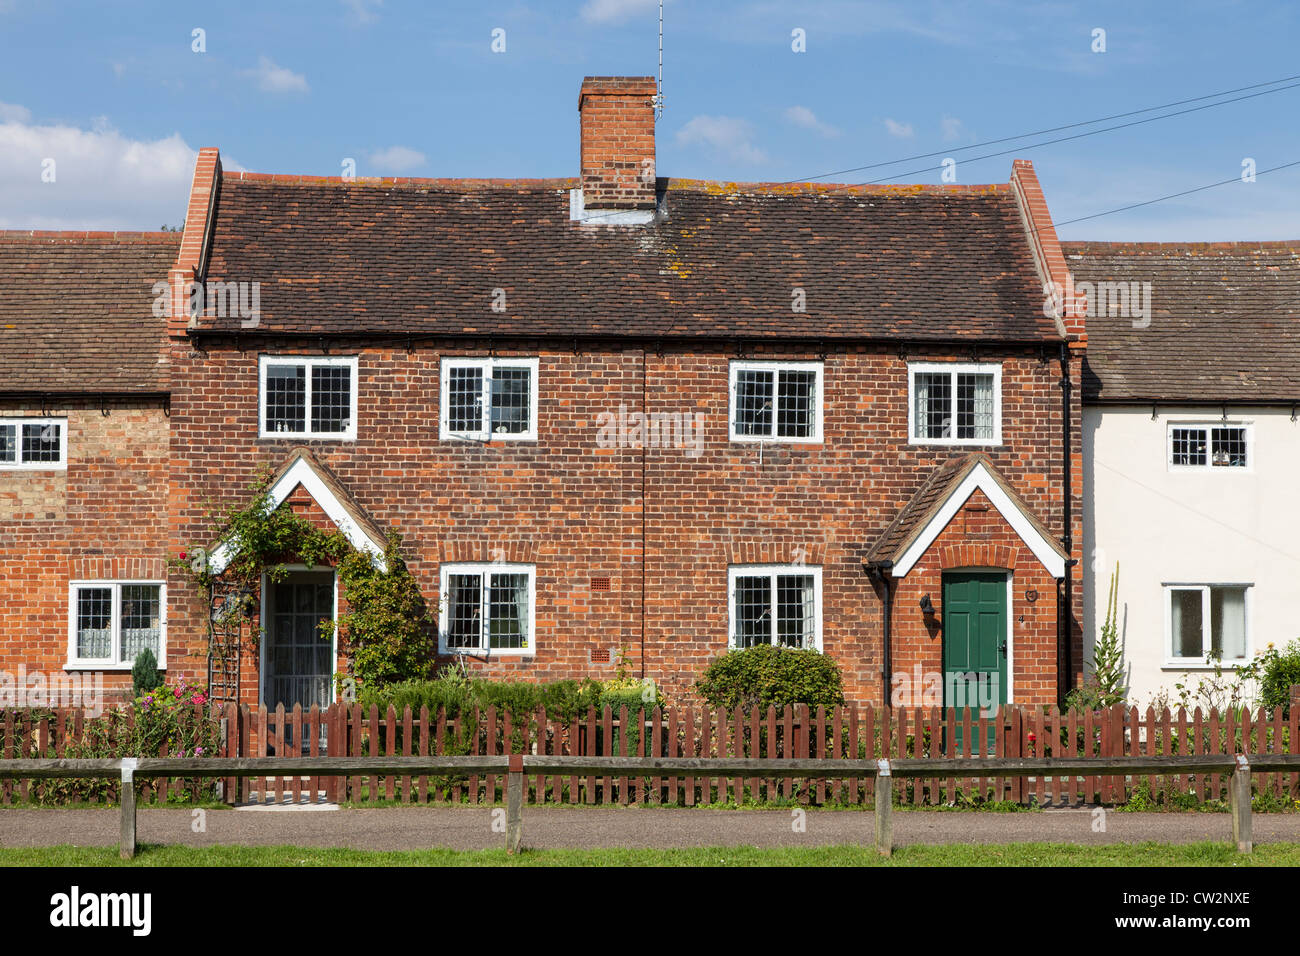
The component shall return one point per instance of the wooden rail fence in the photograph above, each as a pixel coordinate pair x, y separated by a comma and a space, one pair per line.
516, 768
775, 738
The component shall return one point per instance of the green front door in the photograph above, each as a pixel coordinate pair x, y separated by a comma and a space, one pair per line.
974, 642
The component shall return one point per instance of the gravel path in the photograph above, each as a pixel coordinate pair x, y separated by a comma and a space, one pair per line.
589, 827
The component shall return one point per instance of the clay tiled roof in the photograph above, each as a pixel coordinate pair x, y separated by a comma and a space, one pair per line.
1224, 323
426, 256
76, 311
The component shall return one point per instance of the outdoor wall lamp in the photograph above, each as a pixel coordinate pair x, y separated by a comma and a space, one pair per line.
927, 606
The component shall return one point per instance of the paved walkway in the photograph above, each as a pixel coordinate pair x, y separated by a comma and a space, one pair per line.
588, 827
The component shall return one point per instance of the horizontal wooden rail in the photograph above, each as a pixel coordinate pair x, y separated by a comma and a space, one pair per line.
514, 767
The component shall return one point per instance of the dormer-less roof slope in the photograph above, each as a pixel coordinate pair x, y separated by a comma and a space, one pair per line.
76, 311
1224, 323
425, 257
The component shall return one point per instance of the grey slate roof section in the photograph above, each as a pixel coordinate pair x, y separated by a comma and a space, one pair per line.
1224, 324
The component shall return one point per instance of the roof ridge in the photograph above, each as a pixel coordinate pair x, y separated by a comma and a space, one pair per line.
716, 187
70, 235
1152, 247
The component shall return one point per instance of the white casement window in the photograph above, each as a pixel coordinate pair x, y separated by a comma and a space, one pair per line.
776, 401
952, 404
308, 397
1217, 445
33, 443
777, 604
111, 622
487, 399
487, 609
1206, 620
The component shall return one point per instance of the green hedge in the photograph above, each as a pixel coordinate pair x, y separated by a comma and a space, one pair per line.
766, 675
563, 700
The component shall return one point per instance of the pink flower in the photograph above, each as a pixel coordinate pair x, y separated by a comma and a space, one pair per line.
198, 698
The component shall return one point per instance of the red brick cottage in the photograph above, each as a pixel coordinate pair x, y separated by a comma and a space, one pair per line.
629, 413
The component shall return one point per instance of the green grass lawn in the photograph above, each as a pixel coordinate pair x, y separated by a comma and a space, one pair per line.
1023, 854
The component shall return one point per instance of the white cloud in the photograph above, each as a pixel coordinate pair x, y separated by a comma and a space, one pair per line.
276, 79
803, 116
727, 136
13, 113
899, 130
364, 10
397, 159
103, 180
610, 11
951, 127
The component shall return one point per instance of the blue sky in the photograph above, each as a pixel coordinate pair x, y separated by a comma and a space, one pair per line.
116, 96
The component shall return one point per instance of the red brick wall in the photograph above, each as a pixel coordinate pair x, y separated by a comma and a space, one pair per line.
979, 537
574, 508
617, 121
104, 517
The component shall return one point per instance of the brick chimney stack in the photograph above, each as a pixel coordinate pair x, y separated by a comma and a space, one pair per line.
617, 115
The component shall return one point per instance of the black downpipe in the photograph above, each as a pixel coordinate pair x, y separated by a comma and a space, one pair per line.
1065, 606
880, 571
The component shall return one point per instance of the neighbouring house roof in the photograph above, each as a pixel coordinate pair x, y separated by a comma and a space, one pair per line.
76, 311
727, 260
935, 503
1224, 322
302, 467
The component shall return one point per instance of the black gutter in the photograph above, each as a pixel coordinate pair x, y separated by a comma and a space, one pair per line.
812, 339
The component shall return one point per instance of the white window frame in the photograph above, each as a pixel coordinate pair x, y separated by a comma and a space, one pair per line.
307, 362
954, 369
772, 572
1208, 427
76, 663
777, 367
486, 569
18, 464
1207, 637
486, 366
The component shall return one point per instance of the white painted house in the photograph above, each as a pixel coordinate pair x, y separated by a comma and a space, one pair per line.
1191, 450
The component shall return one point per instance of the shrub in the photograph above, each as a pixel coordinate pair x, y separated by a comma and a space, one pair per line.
144, 673
766, 675
1280, 671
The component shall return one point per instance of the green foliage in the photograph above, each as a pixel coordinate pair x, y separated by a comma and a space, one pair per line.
459, 695
164, 717
766, 675
145, 675
388, 631
1107, 684
1279, 670
1222, 688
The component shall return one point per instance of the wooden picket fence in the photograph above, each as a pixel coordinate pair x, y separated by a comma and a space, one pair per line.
792, 733
796, 732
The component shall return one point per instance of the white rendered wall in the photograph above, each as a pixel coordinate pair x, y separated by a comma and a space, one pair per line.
1212, 526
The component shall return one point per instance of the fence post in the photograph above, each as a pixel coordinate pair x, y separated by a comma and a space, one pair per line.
127, 848
884, 808
515, 804
1239, 801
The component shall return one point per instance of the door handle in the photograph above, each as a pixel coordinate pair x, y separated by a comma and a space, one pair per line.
1002, 648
